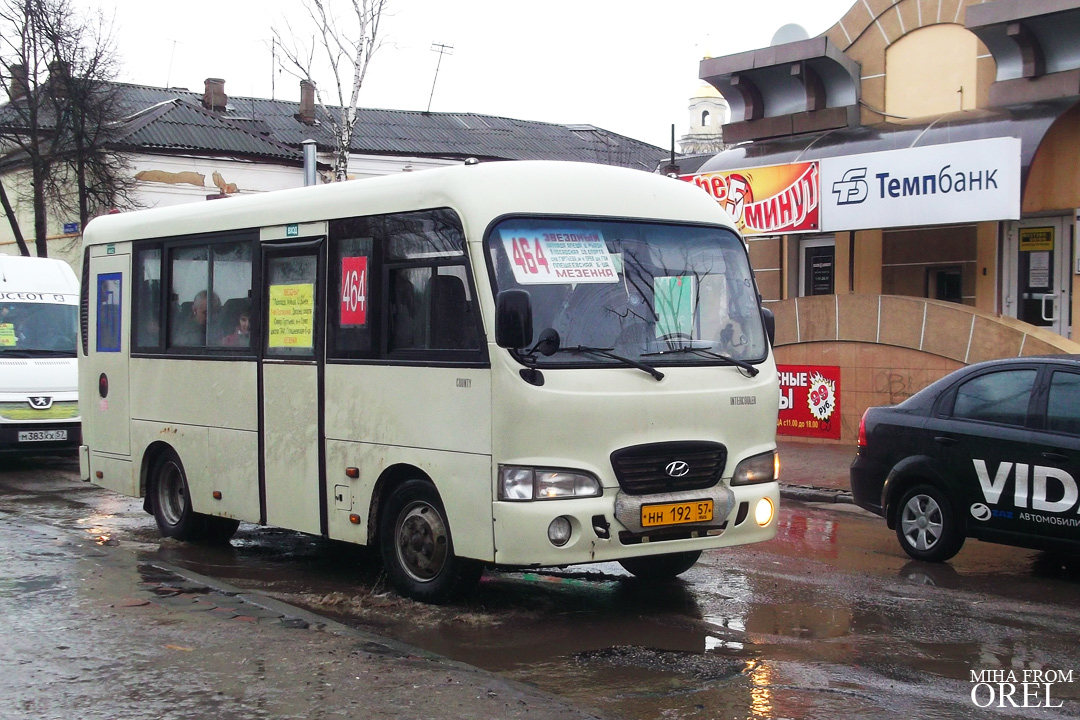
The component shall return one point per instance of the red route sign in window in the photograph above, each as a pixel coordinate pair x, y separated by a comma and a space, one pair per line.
354, 291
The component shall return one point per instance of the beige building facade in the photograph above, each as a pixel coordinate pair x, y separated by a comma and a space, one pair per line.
899, 299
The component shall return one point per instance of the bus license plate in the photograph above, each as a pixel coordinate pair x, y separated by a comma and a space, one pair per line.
676, 513
42, 435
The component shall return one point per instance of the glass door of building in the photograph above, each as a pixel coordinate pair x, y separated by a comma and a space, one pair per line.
1037, 273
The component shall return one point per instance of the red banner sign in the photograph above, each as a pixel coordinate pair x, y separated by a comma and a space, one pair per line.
770, 200
809, 401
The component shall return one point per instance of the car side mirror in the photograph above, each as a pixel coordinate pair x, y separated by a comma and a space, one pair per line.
513, 319
770, 324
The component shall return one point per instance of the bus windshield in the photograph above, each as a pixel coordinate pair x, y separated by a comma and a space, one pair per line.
29, 329
657, 293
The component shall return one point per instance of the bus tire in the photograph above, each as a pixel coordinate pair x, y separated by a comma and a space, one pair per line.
417, 548
661, 567
170, 498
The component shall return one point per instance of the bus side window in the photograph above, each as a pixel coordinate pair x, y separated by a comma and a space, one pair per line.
405, 322
452, 324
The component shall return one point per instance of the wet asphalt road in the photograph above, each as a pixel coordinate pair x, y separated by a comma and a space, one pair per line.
828, 620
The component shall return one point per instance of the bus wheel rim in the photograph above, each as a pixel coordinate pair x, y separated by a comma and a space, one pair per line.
422, 544
173, 499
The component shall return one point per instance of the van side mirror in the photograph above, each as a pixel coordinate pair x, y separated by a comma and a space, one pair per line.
770, 324
513, 319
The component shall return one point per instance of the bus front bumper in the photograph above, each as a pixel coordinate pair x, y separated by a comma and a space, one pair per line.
608, 528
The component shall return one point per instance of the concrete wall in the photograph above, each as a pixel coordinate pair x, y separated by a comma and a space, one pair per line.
889, 347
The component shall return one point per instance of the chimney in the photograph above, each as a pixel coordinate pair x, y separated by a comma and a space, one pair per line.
214, 97
307, 103
59, 78
19, 84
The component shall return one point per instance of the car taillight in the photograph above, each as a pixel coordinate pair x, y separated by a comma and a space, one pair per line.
862, 430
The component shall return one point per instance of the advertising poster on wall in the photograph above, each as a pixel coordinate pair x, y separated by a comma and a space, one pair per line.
770, 200
809, 401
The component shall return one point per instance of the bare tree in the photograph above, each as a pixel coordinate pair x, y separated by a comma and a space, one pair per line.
345, 42
61, 109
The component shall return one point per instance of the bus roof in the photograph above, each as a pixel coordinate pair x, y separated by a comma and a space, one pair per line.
480, 193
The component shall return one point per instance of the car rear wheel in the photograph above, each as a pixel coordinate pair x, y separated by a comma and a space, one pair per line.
926, 525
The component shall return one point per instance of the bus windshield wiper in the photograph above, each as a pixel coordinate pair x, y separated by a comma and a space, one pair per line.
606, 352
726, 359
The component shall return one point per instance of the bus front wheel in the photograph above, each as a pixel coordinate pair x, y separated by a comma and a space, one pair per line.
416, 546
661, 567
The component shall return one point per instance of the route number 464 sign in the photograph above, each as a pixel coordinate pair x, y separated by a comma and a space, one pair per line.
558, 256
354, 291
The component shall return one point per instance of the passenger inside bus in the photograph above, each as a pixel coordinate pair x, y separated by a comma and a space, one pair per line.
241, 334
190, 328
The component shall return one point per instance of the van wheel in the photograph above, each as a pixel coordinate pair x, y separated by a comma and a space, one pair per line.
661, 567
417, 549
170, 500
926, 525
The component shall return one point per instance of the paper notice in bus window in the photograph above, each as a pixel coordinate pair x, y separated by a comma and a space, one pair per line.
559, 256
354, 284
7, 335
292, 316
674, 299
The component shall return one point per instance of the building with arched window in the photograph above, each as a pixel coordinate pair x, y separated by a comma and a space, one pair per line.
909, 184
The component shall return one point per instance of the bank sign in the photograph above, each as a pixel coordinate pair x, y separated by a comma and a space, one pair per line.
931, 185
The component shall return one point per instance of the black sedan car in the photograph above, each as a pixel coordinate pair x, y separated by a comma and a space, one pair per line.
991, 451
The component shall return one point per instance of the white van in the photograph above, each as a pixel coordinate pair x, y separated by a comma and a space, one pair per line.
39, 326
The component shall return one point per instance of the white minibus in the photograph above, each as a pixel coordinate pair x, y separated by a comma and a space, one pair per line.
510, 364
39, 325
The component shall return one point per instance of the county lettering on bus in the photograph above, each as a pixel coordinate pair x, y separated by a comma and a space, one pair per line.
497, 365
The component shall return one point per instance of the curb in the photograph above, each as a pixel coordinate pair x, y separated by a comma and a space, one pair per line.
805, 493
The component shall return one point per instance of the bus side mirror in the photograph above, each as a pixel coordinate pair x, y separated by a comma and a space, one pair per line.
513, 319
770, 324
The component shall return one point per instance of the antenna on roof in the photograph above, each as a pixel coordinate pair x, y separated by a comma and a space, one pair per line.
442, 50
168, 73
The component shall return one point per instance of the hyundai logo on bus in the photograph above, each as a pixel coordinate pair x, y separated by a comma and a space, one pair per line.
676, 468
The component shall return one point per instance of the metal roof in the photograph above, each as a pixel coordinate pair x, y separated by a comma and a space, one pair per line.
184, 124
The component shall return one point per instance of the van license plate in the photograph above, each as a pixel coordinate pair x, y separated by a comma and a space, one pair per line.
42, 435
676, 513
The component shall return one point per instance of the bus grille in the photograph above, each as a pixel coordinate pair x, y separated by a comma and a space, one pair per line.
649, 469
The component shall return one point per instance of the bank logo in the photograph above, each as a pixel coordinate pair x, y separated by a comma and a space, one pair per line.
980, 512
676, 468
852, 189
40, 402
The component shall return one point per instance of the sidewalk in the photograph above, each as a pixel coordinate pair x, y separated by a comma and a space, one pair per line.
815, 472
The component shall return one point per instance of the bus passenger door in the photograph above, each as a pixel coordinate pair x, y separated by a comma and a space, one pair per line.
292, 488
109, 333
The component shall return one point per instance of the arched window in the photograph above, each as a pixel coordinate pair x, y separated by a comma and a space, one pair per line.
704, 118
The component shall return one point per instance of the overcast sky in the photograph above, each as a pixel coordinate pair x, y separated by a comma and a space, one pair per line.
628, 66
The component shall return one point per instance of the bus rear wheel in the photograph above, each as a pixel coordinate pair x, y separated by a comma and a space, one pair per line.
661, 567
417, 549
171, 504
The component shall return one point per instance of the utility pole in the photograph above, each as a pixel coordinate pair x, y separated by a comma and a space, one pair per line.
442, 50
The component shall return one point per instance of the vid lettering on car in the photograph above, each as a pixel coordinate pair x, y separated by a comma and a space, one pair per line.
1040, 494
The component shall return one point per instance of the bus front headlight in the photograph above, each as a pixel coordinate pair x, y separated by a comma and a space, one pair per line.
756, 469
525, 483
